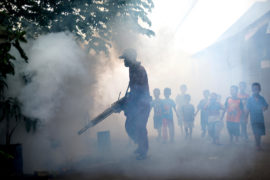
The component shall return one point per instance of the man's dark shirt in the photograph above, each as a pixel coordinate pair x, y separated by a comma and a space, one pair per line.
139, 88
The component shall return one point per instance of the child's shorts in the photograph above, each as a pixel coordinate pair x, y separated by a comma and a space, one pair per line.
233, 128
219, 125
214, 128
180, 119
188, 124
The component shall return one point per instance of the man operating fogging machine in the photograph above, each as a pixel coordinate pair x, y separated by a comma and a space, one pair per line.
137, 106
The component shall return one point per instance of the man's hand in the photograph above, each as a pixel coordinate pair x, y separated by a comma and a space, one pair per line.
117, 110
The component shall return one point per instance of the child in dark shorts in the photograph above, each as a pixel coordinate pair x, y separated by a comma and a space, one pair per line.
234, 109
256, 105
156, 104
204, 116
215, 125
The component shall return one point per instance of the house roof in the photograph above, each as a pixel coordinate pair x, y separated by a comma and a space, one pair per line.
256, 11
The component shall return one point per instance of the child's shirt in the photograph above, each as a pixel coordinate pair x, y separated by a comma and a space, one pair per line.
244, 97
234, 108
167, 108
156, 104
213, 110
255, 106
201, 107
188, 112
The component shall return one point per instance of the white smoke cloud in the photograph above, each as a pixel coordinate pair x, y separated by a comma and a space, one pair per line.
59, 92
53, 60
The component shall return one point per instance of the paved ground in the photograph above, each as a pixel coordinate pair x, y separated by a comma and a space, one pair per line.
195, 159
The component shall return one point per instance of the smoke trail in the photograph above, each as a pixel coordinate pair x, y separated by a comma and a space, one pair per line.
54, 60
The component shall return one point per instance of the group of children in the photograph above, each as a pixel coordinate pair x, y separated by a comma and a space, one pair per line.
163, 114
238, 107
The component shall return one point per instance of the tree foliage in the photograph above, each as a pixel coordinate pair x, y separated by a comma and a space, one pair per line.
10, 107
92, 21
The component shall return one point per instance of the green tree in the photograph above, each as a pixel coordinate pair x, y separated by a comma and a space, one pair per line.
92, 21
10, 107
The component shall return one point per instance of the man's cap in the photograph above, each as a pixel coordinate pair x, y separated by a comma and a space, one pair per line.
129, 53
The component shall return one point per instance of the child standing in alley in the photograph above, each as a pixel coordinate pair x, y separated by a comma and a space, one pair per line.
234, 110
215, 124
180, 98
188, 112
244, 117
156, 104
256, 105
168, 105
204, 116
